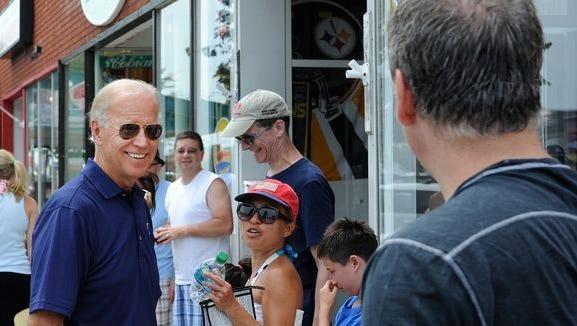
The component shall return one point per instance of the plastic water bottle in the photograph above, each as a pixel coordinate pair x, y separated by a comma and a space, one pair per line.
198, 290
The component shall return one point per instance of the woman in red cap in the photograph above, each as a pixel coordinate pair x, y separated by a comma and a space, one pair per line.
267, 214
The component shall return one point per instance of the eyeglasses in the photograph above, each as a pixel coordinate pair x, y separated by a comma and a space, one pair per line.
248, 138
266, 214
130, 130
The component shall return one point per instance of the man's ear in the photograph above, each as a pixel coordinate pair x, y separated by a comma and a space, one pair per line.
406, 113
96, 132
279, 127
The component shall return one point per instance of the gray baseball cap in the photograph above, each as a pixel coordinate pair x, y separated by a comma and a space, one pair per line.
260, 104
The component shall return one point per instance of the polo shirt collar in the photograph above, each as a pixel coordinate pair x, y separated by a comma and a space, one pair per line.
100, 180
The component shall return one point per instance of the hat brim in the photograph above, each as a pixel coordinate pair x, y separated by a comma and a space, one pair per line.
251, 195
237, 127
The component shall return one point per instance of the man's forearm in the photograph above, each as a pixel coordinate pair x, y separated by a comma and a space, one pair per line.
45, 318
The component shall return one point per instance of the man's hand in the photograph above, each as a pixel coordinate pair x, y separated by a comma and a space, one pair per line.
165, 234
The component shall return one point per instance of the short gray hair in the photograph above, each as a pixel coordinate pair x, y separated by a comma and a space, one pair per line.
473, 65
98, 111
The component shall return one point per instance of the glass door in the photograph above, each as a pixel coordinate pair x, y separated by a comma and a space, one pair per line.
42, 105
74, 118
173, 51
328, 122
558, 78
404, 190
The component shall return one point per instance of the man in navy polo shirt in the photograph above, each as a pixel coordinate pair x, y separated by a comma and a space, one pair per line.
93, 247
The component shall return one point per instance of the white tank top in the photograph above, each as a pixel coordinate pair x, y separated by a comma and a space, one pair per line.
13, 225
186, 204
258, 307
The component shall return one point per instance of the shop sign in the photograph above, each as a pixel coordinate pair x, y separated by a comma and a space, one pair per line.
15, 25
126, 61
101, 12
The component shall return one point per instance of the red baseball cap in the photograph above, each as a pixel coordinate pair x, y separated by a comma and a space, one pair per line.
276, 191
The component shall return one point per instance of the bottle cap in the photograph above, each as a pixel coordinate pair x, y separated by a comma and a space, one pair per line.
222, 257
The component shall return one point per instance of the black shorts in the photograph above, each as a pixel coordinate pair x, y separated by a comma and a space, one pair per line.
14, 297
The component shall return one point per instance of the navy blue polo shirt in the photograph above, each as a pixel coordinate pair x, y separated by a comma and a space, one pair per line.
316, 213
93, 254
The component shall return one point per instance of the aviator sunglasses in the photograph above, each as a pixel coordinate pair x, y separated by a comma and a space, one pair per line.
266, 214
130, 130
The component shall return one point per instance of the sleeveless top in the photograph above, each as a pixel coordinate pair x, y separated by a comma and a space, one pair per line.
13, 225
258, 307
186, 204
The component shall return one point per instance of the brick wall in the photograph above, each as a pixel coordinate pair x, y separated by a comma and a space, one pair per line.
60, 28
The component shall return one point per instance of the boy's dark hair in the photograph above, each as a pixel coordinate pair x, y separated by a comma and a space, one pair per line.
345, 237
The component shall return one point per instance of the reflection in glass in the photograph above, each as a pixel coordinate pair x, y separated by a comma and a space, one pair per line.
32, 108
174, 77
214, 61
74, 119
558, 79
42, 101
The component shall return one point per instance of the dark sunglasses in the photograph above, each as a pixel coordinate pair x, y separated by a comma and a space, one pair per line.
130, 130
248, 138
266, 214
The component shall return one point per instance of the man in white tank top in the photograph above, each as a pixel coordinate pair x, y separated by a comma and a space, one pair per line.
200, 214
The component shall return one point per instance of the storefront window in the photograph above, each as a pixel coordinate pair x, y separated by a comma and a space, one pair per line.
213, 65
18, 131
328, 109
406, 190
173, 79
42, 103
74, 118
127, 56
558, 79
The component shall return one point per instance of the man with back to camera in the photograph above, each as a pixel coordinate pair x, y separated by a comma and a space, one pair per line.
94, 259
260, 121
503, 249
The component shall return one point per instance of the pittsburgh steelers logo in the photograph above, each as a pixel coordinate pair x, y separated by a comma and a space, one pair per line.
335, 37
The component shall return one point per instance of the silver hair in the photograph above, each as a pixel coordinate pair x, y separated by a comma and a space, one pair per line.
98, 111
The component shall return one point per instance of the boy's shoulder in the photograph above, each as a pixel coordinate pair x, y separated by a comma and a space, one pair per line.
349, 313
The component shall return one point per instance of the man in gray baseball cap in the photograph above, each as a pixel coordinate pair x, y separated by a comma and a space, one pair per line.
258, 105
260, 122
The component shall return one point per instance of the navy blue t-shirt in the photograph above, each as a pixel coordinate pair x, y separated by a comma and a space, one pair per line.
316, 212
501, 251
93, 255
